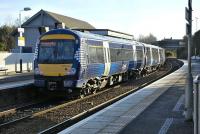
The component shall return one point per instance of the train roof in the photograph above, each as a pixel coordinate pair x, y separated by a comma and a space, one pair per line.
101, 37
108, 32
106, 38
152, 46
98, 37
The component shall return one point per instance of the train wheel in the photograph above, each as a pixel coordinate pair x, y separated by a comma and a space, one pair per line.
94, 91
82, 96
83, 93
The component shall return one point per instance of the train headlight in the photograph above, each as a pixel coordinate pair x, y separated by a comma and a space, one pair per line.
37, 71
67, 83
72, 71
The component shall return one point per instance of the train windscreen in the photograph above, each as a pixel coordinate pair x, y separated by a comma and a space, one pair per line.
60, 51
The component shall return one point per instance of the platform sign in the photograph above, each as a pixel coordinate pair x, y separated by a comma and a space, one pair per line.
187, 14
20, 30
21, 41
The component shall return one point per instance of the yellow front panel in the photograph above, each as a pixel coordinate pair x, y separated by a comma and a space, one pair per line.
54, 69
58, 36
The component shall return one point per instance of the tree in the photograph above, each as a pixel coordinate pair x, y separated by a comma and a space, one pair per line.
6, 40
16, 22
183, 51
2, 47
195, 48
147, 39
196, 44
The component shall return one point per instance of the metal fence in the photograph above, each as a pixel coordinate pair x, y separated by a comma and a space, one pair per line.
196, 113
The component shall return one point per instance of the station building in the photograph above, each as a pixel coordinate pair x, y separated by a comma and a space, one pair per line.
45, 19
171, 46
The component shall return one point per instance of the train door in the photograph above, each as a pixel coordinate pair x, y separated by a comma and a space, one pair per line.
151, 56
144, 57
134, 56
106, 58
159, 56
164, 56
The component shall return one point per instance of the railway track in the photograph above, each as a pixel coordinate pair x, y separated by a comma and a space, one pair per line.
13, 115
55, 118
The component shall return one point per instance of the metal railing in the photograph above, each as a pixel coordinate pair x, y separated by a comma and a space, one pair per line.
196, 113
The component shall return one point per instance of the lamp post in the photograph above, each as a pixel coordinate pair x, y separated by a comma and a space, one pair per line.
25, 9
195, 47
21, 30
196, 23
189, 87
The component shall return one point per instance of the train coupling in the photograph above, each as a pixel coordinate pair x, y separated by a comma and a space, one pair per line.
52, 86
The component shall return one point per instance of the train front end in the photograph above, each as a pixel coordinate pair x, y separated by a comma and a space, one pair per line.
55, 65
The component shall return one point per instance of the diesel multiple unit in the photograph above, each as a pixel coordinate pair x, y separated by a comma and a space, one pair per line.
71, 60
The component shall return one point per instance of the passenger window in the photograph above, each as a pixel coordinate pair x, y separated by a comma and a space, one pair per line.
95, 51
96, 54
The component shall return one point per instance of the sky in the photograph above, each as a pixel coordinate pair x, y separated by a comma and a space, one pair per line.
162, 18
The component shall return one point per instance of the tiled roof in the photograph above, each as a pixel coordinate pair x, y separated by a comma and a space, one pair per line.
70, 22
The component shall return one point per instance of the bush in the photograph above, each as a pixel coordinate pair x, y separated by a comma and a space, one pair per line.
6, 40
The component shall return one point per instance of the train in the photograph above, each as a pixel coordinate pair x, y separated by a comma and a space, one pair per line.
71, 60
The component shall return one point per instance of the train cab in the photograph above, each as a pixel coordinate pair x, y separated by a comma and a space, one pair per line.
55, 65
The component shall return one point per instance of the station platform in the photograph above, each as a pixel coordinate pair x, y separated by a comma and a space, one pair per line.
13, 80
157, 108
10, 85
